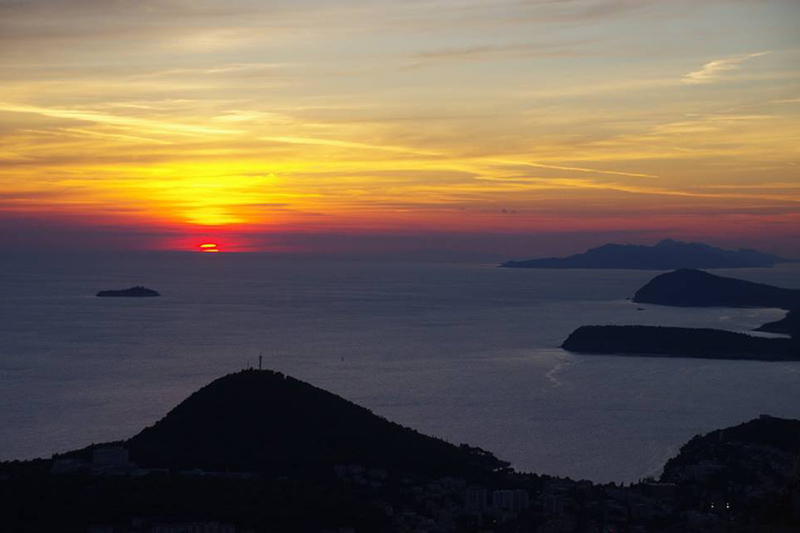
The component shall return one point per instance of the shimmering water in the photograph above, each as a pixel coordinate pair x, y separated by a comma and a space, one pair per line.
466, 352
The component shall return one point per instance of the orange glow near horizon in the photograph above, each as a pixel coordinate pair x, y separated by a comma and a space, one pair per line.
194, 133
209, 247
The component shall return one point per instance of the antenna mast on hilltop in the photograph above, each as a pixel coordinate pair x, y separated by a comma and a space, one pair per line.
260, 356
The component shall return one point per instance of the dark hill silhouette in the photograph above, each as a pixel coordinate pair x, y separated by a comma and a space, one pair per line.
264, 421
695, 288
679, 342
757, 454
666, 255
133, 292
779, 433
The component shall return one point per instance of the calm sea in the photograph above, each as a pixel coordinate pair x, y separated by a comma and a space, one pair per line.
466, 352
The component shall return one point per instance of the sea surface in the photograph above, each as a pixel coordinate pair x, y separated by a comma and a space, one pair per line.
466, 352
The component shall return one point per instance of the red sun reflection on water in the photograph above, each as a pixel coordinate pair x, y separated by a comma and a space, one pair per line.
209, 247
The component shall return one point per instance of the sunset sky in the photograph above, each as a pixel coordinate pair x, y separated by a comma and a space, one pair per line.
518, 127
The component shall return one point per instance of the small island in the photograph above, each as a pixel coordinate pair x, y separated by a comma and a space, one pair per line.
133, 292
679, 342
788, 325
696, 288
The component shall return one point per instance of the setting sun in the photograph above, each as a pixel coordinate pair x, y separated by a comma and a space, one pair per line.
209, 247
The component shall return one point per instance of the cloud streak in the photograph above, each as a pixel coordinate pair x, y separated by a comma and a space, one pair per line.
714, 70
493, 52
117, 120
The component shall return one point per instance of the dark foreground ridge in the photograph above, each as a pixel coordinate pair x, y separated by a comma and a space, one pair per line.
722, 446
133, 292
679, 342
257, 451
666, 255
736, 473
695, 288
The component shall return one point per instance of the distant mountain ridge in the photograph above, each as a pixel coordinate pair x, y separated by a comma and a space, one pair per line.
668, 254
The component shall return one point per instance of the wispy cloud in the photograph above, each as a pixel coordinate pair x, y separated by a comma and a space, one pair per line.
347, 144
116, 120
713, 70
573, 168
493, 52
580, 183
